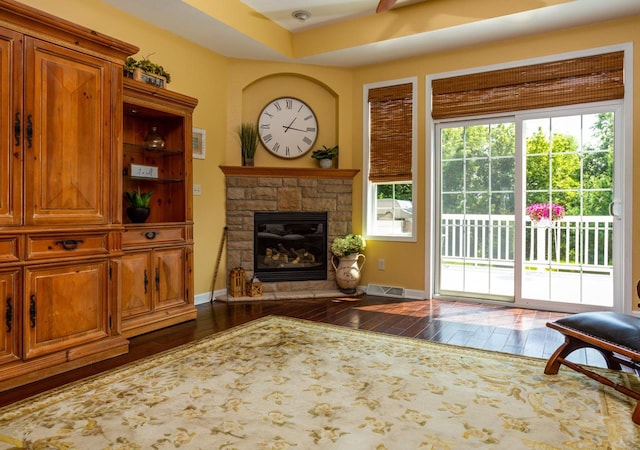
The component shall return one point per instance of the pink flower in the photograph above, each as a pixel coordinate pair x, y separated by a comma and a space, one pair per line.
539, 211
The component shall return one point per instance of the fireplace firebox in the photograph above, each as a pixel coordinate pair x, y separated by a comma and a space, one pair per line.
290, 246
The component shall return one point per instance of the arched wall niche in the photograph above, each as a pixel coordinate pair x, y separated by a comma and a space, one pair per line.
320, 98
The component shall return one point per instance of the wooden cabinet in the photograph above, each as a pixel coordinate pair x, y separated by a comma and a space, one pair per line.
156, 272
60, 223
154, 289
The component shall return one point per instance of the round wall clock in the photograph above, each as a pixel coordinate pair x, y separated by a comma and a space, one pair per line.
288, 127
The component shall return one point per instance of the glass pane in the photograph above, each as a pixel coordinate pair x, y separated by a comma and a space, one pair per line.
393, 209
477, 207
568, 255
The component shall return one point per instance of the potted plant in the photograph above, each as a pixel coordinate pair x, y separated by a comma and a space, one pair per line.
325, 156
138, 209
348, 251
248, 134
155, 73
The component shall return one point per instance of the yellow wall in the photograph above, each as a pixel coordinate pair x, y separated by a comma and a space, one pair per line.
231, 91
405, 263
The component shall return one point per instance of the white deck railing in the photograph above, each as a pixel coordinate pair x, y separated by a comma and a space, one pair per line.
574, 243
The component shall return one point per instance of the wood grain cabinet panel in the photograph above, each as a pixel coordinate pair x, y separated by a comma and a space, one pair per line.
68, 106
137, 284
11, 316
11, 131
65, 306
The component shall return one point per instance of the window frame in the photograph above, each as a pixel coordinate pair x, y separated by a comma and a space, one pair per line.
369, 188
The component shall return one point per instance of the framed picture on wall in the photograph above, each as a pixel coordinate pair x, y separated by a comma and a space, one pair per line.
198, 143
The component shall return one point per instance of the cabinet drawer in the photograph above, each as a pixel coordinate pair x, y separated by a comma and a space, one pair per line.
152, 236
58, 246
9, 249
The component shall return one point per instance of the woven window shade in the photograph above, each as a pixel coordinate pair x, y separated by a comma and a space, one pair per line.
558, 83
391, 129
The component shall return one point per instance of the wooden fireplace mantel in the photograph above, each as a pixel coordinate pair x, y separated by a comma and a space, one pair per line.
287, 172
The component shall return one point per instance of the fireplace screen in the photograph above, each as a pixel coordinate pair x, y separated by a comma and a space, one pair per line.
290, 246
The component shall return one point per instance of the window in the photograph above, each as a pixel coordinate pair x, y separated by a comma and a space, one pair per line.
390, 117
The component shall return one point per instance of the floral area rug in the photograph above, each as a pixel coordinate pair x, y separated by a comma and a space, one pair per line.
279, 383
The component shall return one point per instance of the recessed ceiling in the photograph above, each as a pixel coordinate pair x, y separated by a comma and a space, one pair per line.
322, 12
348, 33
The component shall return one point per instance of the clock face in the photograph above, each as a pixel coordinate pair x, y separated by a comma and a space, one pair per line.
288, 127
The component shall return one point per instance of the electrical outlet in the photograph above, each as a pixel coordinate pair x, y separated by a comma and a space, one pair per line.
197, 189
380, 263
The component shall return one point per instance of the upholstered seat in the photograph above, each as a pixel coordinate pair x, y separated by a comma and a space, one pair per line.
616, 336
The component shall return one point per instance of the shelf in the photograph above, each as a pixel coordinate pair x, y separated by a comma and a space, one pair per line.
143, 148
155, 180
287, 172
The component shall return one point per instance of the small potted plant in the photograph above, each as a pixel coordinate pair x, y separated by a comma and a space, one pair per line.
248, 134
325, 156
138, 209
146, 71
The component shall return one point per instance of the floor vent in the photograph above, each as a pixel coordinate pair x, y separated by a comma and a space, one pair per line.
385, 291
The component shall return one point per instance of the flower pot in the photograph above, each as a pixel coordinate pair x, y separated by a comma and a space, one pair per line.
348, 271
325, 163
138, 215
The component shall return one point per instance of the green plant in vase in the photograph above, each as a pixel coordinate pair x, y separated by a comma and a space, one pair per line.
138, 210
248, 134
325, 156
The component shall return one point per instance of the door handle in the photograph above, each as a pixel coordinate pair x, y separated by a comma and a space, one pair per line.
70, 244
32, 310
17, 129
29, 131
9, 314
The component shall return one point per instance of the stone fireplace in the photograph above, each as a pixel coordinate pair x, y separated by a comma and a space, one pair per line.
269, 189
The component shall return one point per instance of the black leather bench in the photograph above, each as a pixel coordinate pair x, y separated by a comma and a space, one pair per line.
616, 336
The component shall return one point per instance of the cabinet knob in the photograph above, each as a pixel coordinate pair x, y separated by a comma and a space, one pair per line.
151, 234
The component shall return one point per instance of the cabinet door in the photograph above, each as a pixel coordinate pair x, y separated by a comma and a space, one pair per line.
67, 108
10, 127
9, 333
137, 284
65, 306
170, 277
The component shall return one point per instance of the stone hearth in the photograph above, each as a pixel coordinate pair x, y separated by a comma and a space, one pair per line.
253, 189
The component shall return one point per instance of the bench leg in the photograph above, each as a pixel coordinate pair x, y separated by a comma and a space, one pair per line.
572, 344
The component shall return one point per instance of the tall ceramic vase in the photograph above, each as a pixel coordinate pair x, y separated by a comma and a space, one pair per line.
348, 271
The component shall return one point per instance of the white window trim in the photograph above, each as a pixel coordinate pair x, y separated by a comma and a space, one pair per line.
369, 212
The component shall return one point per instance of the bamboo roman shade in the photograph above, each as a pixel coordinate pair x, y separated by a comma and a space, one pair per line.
390, 134
557, 83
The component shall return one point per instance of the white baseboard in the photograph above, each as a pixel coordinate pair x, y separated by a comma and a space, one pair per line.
205, 297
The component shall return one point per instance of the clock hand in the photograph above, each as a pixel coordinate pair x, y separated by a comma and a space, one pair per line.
291, 128
287, 128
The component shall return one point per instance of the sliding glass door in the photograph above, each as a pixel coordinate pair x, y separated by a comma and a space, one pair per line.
524, 208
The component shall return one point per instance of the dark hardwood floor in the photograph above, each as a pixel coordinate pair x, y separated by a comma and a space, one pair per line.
511, 330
